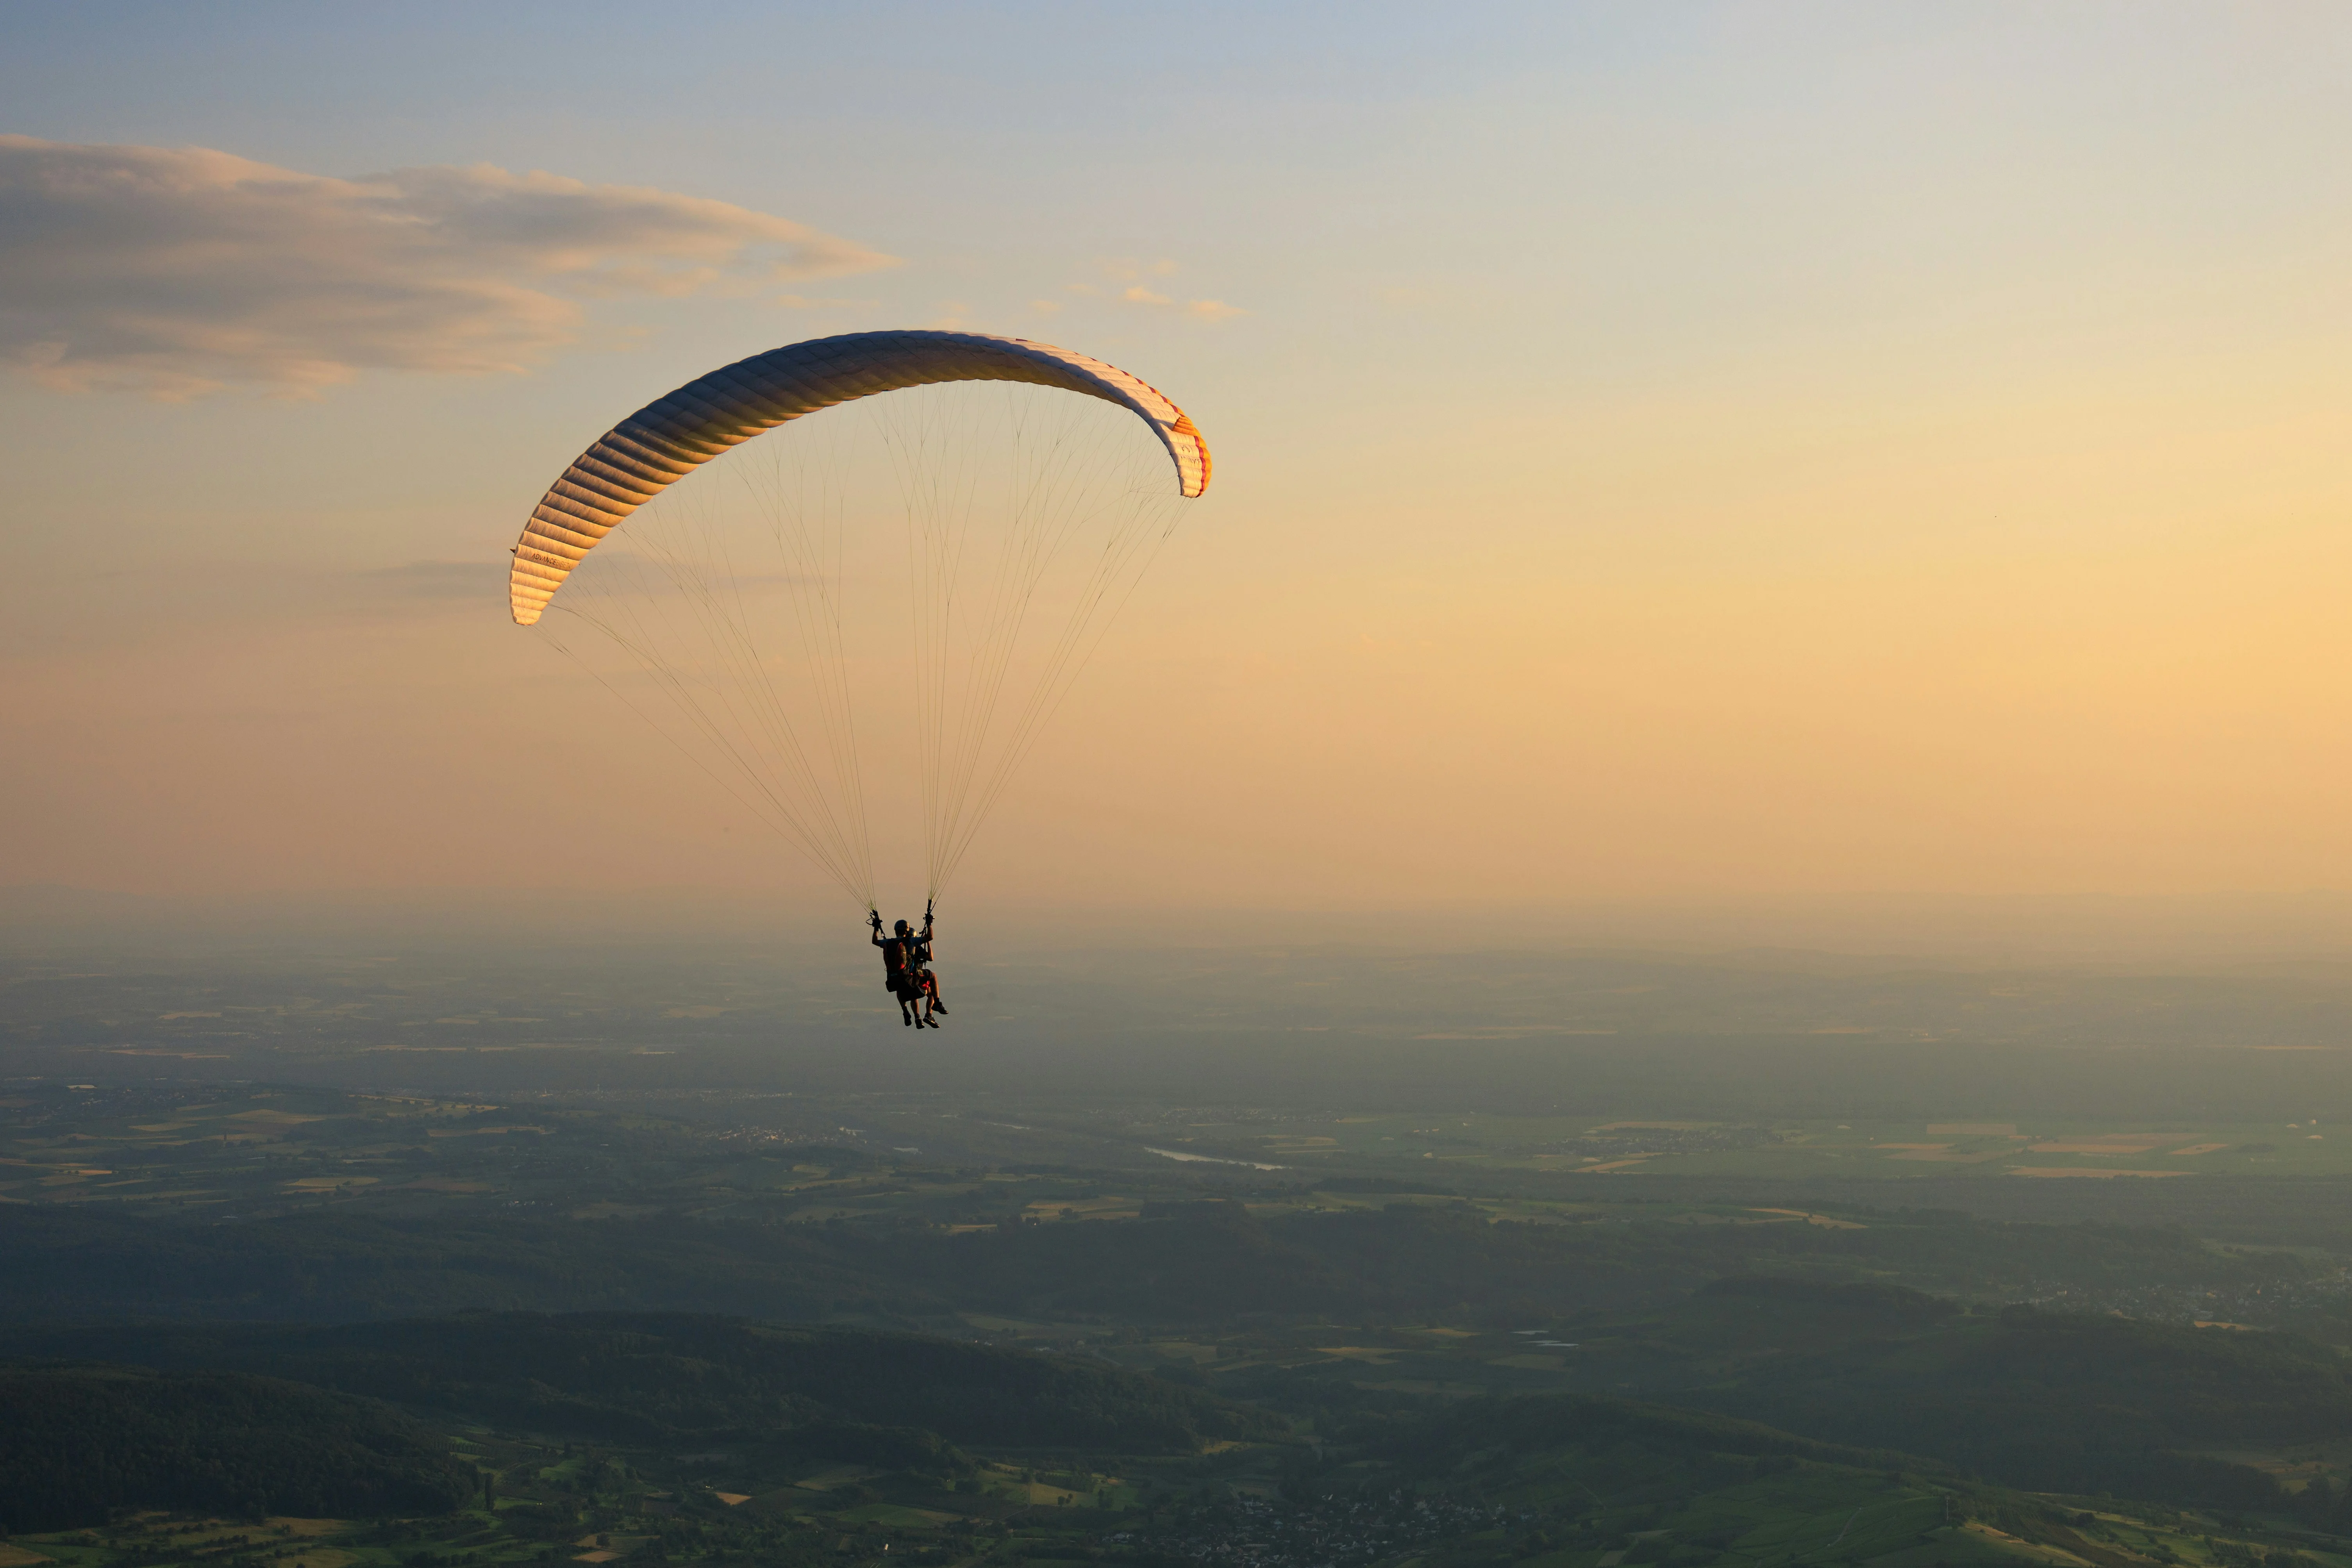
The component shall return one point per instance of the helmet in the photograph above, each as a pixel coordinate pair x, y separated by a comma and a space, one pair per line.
903, 927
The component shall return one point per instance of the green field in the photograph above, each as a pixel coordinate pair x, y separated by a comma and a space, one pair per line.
175, 1150
2056, 1148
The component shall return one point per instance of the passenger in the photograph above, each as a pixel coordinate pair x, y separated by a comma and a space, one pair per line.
900, 973
927, 984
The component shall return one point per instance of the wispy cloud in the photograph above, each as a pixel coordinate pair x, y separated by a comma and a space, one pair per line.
177, 272
1132, 273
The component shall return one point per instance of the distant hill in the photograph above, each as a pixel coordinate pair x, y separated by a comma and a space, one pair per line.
1186, 1264
57, 1264
1524, 1424
643, 1378
76, 1443
2058, 1402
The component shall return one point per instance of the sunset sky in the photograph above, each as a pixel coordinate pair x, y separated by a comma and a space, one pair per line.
1666, 451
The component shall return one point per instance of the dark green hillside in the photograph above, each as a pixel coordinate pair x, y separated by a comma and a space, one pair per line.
1418, 1262
1194, 1264
1775, 1307
315, 1268
2053, 1401
79, 1443
648, 1377
2195, 1384
1526, 1422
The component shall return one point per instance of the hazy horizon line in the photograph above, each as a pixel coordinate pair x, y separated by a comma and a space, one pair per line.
1978, 928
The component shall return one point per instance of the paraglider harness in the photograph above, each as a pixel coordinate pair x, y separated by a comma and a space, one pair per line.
905, 971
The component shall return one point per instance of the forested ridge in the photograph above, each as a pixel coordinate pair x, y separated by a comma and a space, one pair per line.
1528, 1422
655, 1377
79, 1441
2053, 1401
1188, 1263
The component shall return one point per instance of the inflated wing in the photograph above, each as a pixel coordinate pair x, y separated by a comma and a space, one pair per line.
665, 441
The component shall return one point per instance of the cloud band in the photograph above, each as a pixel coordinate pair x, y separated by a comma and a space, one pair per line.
177, 272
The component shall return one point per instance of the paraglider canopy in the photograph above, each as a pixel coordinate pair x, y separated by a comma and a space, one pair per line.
667, 439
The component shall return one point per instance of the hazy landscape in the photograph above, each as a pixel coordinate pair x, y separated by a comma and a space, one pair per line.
1054, 784
1553, 1256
